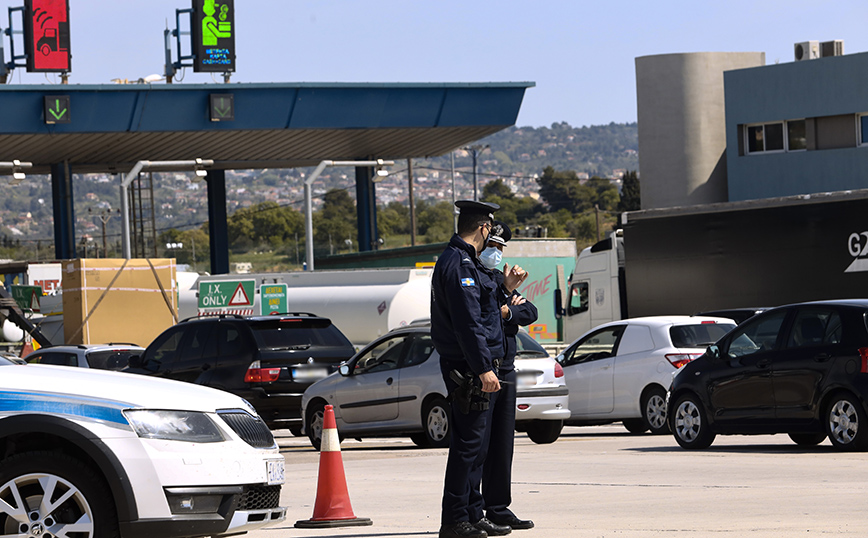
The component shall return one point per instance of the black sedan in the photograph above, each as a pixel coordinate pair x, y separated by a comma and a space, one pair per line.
800, 369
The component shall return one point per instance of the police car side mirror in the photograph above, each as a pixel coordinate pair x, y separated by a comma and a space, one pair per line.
345, 369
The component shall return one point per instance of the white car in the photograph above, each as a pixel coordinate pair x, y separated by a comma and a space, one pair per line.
394, 387
620, 371
90, 452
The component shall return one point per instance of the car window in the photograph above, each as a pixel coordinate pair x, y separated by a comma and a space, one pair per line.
115, 359
526, 347
420, 349
598, 345
815, 327
232, 341
55, 358
297, 333
637, 338
756, 335
384, 356
195, 342
165, 349
578, 298
699, 334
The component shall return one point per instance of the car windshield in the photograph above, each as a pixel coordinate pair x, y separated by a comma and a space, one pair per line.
297, 333
527, 347
699, 335
6, 362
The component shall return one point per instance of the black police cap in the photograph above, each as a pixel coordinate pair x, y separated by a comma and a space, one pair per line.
478, 208
500, 233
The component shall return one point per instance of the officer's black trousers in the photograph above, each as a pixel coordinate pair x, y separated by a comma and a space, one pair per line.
497, 469
462, 498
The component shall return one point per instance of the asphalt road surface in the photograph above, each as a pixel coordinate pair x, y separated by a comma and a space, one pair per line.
601, 482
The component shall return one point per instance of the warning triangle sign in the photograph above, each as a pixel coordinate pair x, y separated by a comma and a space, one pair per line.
34, 302
239, 298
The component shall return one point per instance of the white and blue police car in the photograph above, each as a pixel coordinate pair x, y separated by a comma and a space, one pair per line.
100, 454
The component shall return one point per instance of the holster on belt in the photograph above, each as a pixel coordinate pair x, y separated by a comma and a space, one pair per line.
468, 396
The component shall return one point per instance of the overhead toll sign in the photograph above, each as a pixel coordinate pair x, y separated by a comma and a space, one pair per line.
272, 299
56, 109
222, 107
213, 35
46, 36
229, 296
27, 297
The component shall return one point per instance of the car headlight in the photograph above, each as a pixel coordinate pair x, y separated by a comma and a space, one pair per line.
189, 426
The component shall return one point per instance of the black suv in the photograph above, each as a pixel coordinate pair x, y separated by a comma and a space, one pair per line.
267, 360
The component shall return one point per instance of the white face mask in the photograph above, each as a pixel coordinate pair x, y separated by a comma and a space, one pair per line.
491, 257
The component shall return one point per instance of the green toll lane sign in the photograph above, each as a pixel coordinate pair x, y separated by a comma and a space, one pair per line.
27, 297
222, 107
56, 109
272, 299
228, 294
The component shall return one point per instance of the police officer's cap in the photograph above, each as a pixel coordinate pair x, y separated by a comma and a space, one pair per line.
478, 208
500, 233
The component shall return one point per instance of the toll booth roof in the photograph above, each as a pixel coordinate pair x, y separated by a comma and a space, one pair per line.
108, 128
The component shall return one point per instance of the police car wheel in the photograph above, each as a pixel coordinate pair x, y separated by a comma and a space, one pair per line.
51, 494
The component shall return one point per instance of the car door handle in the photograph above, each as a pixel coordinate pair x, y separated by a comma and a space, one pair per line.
763, 363
822, 357
389, 381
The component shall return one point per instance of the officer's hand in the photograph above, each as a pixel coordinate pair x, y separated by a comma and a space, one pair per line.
504, 311
516, 300
490, 383
513, 277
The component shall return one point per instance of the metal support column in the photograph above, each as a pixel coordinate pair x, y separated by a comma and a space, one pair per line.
366, 208
217, 226
64, 216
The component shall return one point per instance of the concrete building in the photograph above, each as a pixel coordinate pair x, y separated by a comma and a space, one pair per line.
682, 126
796, 128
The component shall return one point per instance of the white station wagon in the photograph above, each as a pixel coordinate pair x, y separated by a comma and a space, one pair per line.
620, 371
94, 453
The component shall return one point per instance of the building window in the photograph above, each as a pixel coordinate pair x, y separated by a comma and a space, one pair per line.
796, 139
863, 130
769, 137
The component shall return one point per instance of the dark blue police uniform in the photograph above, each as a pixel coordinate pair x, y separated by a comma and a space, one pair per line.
467, 332
497, 469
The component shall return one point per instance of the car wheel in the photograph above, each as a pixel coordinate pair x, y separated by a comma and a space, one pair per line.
690, 425
654, 411
544, 432
314, 422
808, 439
435, 421
636, 425
847, 424
51, 493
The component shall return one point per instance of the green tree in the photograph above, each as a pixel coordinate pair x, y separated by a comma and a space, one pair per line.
630, 195
434, 222
563, 190
263, 224
336, 221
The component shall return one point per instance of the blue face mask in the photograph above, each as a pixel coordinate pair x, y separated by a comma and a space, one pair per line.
491, 257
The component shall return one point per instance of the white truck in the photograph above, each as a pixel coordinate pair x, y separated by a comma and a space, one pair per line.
684, 260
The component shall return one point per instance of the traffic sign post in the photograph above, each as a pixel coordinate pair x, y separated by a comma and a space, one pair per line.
229, 295
27, 297
273, 299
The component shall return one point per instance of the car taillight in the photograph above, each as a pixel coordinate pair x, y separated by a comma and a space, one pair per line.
680, 359
863, 352
257, 374
559, 370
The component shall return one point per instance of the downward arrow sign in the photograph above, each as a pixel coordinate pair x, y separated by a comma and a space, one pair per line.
59, 114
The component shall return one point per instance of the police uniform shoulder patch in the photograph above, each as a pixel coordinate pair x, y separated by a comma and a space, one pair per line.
467, 260
467, 282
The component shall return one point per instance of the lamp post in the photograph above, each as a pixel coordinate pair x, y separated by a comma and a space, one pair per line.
104, 216
380, 173
197, 166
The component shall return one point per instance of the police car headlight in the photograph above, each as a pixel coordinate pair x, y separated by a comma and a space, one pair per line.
188, 426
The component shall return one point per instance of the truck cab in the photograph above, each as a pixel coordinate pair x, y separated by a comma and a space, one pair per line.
595, 293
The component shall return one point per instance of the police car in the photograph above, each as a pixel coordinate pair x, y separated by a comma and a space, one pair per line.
88, 452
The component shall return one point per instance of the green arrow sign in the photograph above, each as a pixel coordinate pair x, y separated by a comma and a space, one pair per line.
222, 107
272, 299
56, 109
227, 294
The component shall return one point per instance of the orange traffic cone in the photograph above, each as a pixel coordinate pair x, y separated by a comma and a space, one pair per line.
332, 507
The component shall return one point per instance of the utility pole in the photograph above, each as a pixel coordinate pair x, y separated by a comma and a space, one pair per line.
454, 215
412, 204
475, 150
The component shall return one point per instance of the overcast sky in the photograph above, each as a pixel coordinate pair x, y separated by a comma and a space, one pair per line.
580, 54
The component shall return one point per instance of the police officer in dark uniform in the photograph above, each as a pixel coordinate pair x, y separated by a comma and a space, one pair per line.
467, 331
497, 470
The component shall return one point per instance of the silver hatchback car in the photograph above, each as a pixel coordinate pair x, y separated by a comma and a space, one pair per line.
393, 387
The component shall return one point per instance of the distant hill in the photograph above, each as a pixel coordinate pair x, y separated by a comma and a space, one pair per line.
520, 152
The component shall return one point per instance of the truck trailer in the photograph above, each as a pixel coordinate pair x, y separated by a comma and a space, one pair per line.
684, 260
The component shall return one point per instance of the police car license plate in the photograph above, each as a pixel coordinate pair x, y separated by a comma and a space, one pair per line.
275, 472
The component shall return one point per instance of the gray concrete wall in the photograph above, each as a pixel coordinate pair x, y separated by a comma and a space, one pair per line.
682, 126
830, 93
